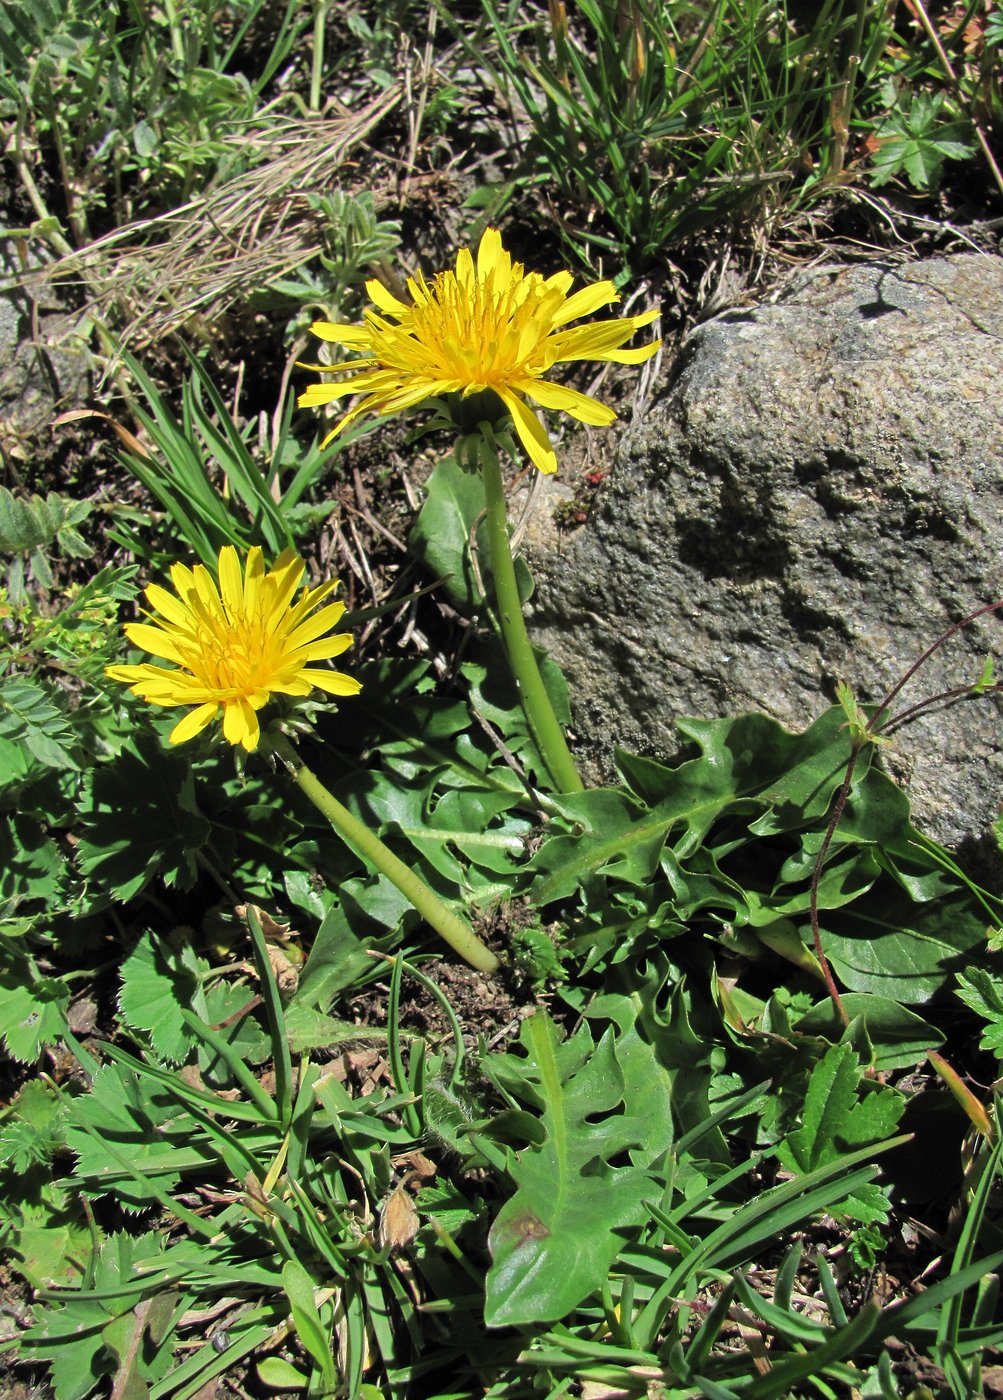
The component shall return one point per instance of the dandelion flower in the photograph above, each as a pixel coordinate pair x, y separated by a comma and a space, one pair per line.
235, 645
488, 325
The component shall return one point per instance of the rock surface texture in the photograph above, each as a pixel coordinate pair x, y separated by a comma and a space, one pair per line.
36, 376
817, 496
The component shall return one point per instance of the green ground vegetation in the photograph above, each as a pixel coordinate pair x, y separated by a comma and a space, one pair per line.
260, 1126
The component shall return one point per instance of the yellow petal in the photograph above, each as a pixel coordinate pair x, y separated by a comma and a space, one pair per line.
183, 580
567, 400
350, 336
416, 394
385, 299
371, 381
240, 723
315, 626
325, 648
283, 579
585, 301
231, 581
599, 340
634, 357
532, 434
317, 395
193, 723
306, 605
334, 682
359, 362
155, 640
164, 693
295, 685
489, 253
560, 282
252, 733
207, 593
127, 674
466, 274
168, 605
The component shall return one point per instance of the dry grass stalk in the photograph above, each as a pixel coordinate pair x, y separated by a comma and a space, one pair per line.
155, 275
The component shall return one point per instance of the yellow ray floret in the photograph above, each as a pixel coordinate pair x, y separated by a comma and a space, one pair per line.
487, 325
231, 645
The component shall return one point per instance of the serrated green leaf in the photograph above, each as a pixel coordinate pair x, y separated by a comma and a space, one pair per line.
157, 981
982, 990
68, 1337
30, 524
609, 832
33, 871
73, 1335
15, 764
136, 1340
145, 1126
748, 766
32, 1012
832, 1093
139, 818
793, 774
223, 1005
50, 1245
367, 918
671, 1020
469, 837
912, 138
553, 1241
647, 1082
842, 1113
33, 1128
24, 523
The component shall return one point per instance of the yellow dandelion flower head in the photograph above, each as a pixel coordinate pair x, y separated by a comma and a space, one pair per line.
234, 644
487, 325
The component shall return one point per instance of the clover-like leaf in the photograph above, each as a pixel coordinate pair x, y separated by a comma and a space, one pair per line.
32, 1008
157, 982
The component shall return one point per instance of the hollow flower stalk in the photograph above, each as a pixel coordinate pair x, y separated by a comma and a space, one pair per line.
488, 324
236, 642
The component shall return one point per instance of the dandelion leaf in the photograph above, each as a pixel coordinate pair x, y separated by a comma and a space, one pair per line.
605, 1123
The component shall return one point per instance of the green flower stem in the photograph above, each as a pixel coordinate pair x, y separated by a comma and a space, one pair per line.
365, 843
535, 700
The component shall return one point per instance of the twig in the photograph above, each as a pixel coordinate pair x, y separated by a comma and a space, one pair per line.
872, 727
952, 77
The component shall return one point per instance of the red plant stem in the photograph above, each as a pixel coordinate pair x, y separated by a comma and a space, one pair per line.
816, 875
872, 727
944, 637
959, 692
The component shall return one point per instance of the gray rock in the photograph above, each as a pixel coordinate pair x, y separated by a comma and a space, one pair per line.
40, 371
818, 495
